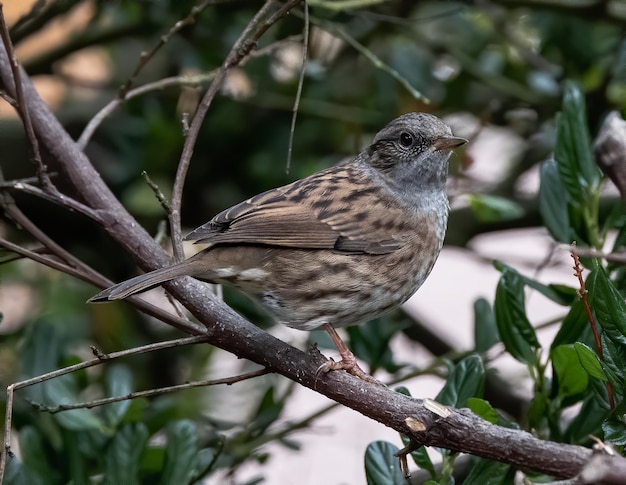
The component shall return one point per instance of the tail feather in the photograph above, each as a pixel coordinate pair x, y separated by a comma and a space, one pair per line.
140, 283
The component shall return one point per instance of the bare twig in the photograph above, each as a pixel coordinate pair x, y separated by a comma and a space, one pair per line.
582, 294
229, 381
296, 104
184, 80
22, 109
619, 257
100, 358
145, 57
27, 180
57, 198
241, 48
157, 192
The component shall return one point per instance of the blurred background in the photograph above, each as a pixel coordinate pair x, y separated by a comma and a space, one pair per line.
495, 71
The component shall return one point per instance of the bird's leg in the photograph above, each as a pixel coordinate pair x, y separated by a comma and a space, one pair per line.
348, 360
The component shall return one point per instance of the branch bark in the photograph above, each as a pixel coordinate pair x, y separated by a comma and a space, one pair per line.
458, 430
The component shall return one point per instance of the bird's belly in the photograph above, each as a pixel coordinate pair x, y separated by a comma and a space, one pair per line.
307, 290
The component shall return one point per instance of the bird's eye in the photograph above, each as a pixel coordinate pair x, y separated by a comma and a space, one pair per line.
406, 139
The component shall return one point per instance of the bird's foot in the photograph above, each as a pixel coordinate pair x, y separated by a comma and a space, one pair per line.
350, 365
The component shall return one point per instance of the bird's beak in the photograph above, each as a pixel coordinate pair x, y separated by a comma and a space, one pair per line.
448, 143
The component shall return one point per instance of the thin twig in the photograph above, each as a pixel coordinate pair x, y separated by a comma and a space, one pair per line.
57, 198
100, 358
376, 61
145, 57
184, 80
241, 48
22, 108
229, 381
296, 104
582, 294
157, 192
27, 180
619, 257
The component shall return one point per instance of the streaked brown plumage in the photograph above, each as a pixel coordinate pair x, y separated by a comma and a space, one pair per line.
342, 246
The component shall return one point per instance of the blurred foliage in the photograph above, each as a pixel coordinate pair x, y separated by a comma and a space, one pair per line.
545, 72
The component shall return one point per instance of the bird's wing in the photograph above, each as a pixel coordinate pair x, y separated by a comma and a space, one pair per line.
306, 214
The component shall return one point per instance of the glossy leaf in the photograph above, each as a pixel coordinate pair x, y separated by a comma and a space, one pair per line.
615, 430
587, 422
483, 409
36, 464
573, 325
382, 466
608, 305
370, 342
122, 460
589, 361
489, 208
465, 380
488, 472
119, 382
181, 452
614, 357
515, 330
553, 200
579, 174
485, 328
571, 377
561, 294
62, 390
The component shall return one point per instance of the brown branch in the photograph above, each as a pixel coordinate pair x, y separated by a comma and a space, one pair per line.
21, 106
460, 430
582, 294
241, 48
100, 358
229, 381
183, 80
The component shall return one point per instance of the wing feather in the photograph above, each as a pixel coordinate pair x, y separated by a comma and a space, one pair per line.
299, 215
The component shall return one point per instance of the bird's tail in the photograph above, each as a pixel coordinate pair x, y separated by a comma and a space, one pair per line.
141, 283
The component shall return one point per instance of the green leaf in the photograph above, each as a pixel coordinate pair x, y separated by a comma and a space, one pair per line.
574, 158
36, 458
573, 325
615, 430
570, 374
588, 421
589, 361
489, 208
516, 332
488, 472
370, 342
485, 328
483, 409
382, 466
16, 475
62, 391
121, 463
181, 452
561, 294
465, 380
553, 200
608, 305
614, 357
268, 412
119, 382
403, 390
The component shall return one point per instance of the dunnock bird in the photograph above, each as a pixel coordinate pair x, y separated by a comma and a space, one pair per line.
342, 246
